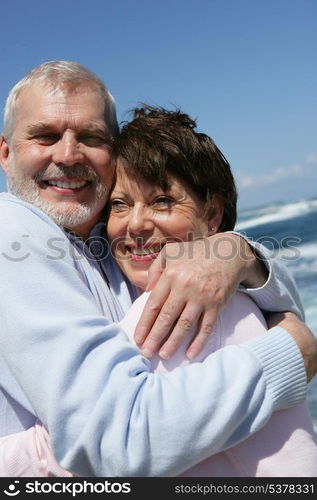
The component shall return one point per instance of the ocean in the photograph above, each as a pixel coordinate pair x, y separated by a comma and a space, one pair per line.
290, 231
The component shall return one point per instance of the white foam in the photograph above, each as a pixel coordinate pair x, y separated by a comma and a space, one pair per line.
308, 250
301, 258
282, 212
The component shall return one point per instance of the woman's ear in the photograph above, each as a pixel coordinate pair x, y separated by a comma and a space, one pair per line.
215, 214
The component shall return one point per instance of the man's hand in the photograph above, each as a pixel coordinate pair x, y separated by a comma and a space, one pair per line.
190, 283
302, 335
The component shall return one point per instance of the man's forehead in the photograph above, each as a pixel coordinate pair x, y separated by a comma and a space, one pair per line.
49, 87
44, 103
45, 94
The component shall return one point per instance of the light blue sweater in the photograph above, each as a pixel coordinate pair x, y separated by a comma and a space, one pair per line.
65, 360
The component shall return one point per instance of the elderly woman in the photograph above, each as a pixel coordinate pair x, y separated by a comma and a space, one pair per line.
174, 184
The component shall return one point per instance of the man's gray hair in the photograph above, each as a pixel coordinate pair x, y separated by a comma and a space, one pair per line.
57, 73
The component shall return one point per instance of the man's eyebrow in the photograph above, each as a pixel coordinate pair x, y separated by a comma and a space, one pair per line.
94, 129
43, 126
37, 127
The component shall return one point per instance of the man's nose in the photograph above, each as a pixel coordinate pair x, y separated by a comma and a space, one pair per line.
140, 220
67, 151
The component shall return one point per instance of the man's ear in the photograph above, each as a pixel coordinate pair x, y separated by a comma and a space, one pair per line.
215, 214
4, 154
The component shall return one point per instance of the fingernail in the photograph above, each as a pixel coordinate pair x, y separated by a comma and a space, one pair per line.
138, 339
190, 355
146, 352
164, 355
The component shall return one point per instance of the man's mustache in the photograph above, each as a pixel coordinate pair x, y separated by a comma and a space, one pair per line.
75, 171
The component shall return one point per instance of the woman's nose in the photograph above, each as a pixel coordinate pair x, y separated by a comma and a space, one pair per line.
140, 220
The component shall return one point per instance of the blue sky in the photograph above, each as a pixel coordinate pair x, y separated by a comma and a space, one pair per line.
245, 69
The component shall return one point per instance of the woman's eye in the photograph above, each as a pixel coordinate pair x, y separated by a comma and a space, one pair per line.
118, 205
163, 202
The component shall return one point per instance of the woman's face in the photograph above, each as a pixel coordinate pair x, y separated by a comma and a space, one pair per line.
144, 217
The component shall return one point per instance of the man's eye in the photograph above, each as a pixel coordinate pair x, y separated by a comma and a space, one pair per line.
46, 138
92, 140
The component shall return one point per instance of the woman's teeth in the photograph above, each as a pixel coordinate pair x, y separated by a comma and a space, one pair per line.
144, 251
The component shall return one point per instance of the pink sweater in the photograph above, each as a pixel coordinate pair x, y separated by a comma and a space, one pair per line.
285, 447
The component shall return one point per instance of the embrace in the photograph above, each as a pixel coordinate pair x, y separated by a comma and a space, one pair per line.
156, 329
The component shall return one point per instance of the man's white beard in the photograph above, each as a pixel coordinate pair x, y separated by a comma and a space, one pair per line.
64, 214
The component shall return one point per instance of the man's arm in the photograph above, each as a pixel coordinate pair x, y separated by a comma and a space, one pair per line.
192, 281
29, 453
107, 415
302, 334
278, 291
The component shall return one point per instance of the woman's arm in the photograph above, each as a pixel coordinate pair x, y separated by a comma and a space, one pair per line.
29, 454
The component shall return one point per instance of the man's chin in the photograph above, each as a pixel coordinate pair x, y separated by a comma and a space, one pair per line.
68, 212
65, 213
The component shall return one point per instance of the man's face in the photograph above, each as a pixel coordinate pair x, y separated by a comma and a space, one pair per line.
58, 155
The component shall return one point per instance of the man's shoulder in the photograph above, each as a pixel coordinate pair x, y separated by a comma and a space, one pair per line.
16, 212
11, 204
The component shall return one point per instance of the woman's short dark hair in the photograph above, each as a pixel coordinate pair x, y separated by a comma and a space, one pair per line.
158, 143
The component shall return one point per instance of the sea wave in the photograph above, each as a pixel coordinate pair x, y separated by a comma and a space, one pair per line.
274, 213
299, 254
308, 250
303, 256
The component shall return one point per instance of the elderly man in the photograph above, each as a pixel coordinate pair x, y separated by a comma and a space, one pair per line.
64, 358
